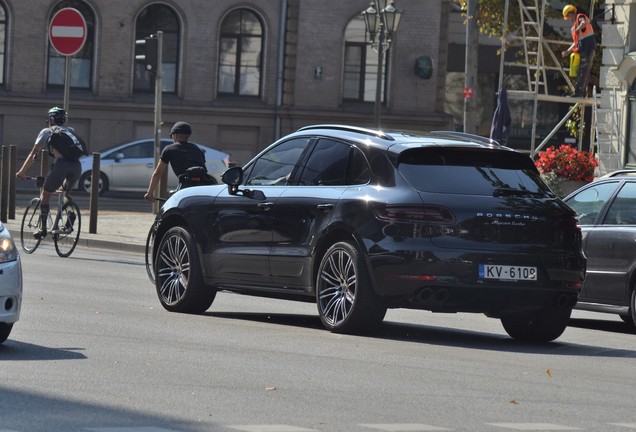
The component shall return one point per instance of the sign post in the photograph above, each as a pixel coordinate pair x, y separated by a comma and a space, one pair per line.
67, 33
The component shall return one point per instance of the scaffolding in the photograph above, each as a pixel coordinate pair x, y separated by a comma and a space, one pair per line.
536, 49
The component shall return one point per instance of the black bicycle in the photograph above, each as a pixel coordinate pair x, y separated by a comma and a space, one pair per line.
150, 242
65, 229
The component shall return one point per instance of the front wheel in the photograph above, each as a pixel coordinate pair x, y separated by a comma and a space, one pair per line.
179, 283
31, 223
541, 326
150, 242
69, 225
631, 317
5, 331
346, 302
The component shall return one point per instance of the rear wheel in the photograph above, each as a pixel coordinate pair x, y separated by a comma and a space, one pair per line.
68, 229
345, 299
31, 223
179, 283
86, 179
5, 330
541, 326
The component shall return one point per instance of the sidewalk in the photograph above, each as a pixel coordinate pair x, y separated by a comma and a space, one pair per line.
116, 230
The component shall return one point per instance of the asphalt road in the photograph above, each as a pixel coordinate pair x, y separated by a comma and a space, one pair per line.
94, 351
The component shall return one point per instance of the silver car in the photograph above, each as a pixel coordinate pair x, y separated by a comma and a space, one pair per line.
10, 283
128, 167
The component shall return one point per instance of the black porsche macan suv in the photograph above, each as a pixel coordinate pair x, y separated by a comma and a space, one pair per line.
361, 220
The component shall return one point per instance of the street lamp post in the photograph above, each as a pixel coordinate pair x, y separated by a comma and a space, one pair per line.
381, 21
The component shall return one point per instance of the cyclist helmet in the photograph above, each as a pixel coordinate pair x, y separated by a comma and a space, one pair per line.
181, 128
567, 10
57, 115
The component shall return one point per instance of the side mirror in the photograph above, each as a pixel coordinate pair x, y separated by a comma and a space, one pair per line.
233, 177
119, 156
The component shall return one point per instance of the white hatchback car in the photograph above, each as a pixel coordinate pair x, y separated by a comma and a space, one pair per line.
128, 167
10, 283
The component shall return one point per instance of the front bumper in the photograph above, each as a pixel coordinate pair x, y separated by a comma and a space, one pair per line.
10, 291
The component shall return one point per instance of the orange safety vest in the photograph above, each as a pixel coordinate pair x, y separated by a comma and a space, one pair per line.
586, 32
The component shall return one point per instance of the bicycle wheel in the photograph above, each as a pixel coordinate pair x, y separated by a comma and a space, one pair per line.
69, 224
31, 223
150, 266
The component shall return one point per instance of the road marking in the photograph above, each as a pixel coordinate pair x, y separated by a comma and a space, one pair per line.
271, 428
407, 427
534, 426
625, 425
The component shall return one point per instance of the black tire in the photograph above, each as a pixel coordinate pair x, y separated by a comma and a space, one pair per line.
5, 331
346, 302
31, 222
631, 318
85, 180
541, 326
150, 241
179, 283
68, 229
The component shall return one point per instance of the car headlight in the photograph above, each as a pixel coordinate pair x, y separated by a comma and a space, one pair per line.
8, 251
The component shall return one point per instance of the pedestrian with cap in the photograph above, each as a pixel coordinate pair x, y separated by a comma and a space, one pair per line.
583, 43
180, 155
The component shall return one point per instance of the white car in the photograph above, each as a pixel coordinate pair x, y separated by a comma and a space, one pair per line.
10, 283
128, 167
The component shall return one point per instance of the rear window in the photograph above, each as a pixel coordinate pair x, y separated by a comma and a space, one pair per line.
469, 171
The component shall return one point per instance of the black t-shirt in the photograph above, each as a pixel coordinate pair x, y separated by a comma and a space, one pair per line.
183, 155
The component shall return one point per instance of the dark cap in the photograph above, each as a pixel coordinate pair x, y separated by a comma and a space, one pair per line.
181, 128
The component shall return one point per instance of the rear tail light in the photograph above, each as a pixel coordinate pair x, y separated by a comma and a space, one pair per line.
415, 214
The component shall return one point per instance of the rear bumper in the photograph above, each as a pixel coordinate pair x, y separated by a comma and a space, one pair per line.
449, 282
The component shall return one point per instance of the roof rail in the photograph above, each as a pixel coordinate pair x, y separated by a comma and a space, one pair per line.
473, 137
371, 132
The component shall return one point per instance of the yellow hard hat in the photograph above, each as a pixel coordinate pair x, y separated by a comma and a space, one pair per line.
568, 9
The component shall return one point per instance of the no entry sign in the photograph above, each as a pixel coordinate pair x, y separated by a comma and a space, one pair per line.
67, 31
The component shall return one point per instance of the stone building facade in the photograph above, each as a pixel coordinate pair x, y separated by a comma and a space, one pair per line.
617, 112
242, 72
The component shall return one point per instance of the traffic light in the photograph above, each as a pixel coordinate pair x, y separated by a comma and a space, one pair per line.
147, 52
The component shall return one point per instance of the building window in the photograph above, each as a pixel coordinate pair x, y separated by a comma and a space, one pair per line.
150, 20
361, 65
82, 62
240, 54
3, 41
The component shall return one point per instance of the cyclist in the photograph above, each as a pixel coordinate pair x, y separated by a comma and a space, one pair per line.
66, 147
180, 155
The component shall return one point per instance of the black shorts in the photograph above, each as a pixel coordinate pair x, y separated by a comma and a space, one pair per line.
63, 169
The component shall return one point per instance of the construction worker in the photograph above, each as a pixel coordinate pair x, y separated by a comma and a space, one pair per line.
584, 43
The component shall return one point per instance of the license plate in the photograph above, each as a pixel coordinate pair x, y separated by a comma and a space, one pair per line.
503, 272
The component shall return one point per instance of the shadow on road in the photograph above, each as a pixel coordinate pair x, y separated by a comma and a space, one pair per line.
451, 337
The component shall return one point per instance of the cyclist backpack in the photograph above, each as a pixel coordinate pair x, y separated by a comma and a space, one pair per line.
69, 145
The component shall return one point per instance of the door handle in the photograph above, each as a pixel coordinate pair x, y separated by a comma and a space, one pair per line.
325, 207
265, 205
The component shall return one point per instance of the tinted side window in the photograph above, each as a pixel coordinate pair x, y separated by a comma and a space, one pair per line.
623, 209
275, 166
327, 164
589, 202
